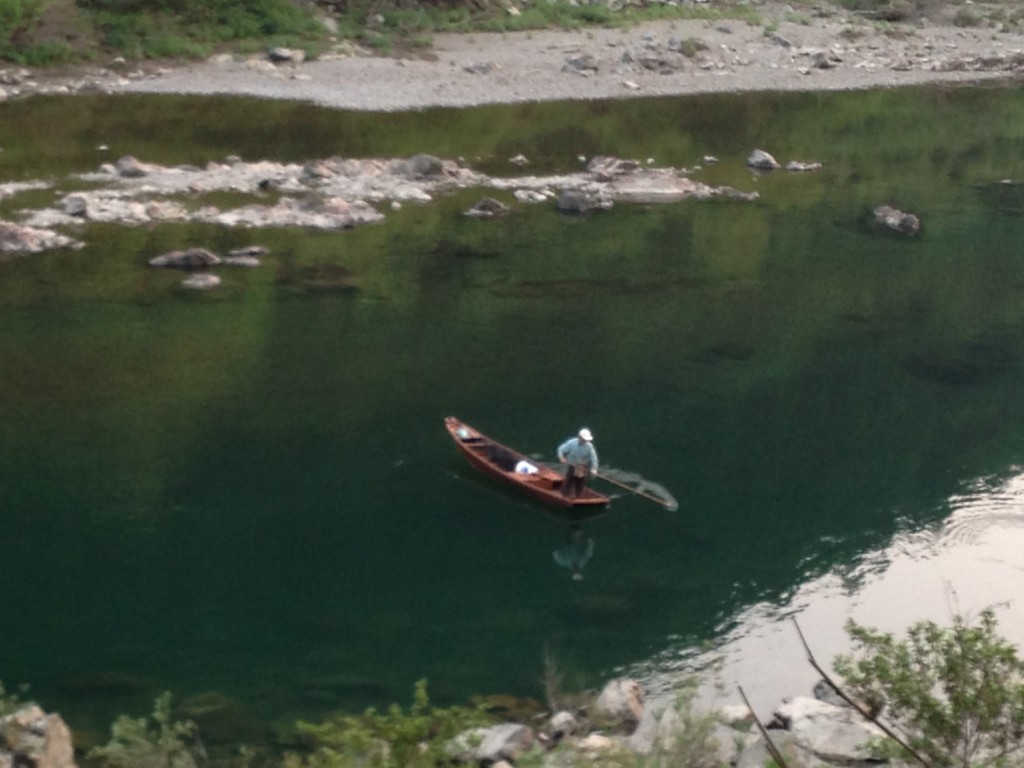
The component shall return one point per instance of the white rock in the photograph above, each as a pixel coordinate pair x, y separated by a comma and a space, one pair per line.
621, 702
736, 715
596, 742
200, 281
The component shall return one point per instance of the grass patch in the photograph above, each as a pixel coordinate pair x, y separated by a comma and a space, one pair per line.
691, 46
410, 28
39, 32
968, 17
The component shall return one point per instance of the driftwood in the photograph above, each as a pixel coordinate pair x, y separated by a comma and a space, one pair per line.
855, 704
768, 743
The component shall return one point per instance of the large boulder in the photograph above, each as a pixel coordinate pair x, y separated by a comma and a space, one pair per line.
762, 161
30, 738
757, 755
621, 704
697, 741
563, 724
834, 734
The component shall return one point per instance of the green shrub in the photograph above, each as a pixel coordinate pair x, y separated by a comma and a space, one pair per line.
957, 692
691, 46
191, 28
42, 54
18, 19
156, 741
392, 739
968, 17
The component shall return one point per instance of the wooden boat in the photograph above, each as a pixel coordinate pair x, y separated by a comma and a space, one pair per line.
539, 481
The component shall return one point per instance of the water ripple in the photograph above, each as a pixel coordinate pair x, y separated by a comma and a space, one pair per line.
988, 503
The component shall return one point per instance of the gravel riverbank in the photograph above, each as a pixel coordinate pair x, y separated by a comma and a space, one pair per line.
784, 52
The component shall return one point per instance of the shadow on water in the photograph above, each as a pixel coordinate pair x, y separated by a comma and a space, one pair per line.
1005, 197
974, 363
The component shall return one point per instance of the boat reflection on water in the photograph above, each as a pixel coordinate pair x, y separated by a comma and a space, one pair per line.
576, 552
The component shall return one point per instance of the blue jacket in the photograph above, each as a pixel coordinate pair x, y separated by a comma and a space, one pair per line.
578, 453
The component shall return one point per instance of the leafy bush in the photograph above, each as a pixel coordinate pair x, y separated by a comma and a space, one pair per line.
18, 19
394, 739
156, 741
191, 28
957, 692
691, 46
968, 17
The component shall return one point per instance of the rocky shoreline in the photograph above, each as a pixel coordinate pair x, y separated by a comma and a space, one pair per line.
822, 731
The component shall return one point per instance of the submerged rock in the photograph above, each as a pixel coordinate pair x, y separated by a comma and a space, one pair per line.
17, 239
222, 720
487, 208
579, 201
190, 258
799, 165
325, 278
249, 250
897, 220
200, 281
241, 261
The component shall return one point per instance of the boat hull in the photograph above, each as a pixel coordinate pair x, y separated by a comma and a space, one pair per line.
501, 462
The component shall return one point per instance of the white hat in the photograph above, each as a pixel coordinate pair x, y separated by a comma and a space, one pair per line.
585, 435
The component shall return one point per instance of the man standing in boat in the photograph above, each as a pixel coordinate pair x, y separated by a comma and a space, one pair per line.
581, 457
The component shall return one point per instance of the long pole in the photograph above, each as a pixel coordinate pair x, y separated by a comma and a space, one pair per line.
768, 743
631, 489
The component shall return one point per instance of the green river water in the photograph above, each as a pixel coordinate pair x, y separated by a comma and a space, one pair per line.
251, 491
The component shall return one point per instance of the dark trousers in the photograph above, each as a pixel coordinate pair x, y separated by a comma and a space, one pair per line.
575, 479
